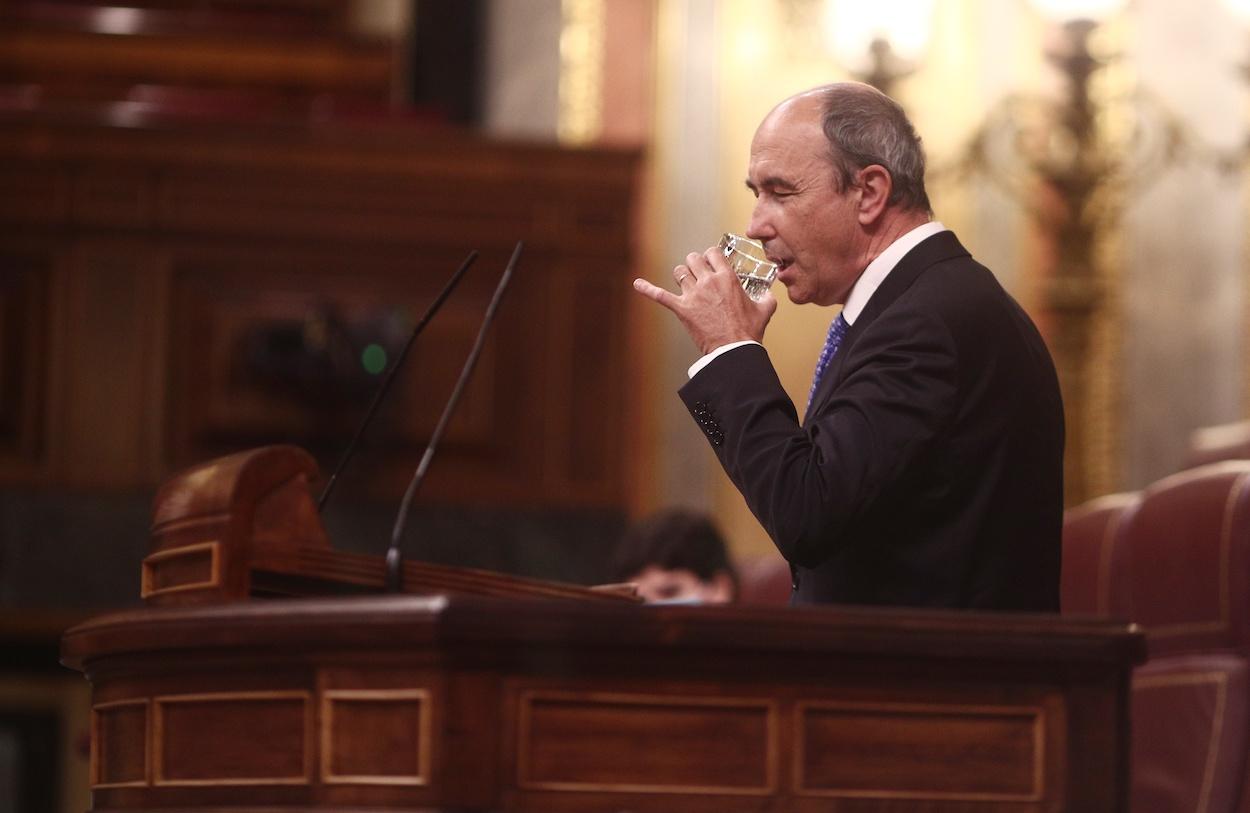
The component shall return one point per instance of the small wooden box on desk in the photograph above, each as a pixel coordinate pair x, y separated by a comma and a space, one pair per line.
493, 694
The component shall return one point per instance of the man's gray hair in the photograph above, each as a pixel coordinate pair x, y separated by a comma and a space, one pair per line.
864, 127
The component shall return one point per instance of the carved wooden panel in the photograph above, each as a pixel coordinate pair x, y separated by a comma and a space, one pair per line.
271, 731
119, 744
116, 197
231, 287
947, 751
109, 362
633, 743
376, 737
24, 356
190, 567
35, 191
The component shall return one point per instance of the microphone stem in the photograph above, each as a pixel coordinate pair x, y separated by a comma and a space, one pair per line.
394, 554
385, 386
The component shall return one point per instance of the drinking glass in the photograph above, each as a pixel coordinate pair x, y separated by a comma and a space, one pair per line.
746, 257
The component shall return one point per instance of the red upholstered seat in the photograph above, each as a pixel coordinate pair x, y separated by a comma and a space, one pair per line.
764, 580
1187, 561
1189, 734
1089, 542
1181, 569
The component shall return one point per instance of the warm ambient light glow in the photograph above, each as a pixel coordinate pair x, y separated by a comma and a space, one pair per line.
117, 20
1239, 7
852, 25
1065, 10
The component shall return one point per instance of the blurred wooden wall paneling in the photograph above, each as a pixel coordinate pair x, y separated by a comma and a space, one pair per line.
144, 259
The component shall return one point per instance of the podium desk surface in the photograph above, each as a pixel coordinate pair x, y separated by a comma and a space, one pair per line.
456, 621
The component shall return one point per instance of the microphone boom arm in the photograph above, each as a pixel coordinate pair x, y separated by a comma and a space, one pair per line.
393, 554
385, 386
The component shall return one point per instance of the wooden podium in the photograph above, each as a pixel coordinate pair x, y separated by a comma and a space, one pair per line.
466, 701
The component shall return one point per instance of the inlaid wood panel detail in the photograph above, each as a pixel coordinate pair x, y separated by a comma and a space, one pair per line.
375, 737
950, 752
190, 567
119, 744
24, 353
646, 744
34, 192
269, 732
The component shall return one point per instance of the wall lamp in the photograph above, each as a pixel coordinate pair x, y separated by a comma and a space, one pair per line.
896, 32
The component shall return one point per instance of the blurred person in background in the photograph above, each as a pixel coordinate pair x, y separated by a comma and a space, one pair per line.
677, 556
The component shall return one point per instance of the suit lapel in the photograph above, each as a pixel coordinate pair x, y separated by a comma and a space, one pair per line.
941, 246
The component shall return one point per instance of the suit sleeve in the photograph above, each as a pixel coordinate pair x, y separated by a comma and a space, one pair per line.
806, 484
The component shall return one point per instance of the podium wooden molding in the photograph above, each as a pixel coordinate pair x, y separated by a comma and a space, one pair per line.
245, 525
473, 703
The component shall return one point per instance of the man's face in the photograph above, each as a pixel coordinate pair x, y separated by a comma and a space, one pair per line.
658, 584
809, 227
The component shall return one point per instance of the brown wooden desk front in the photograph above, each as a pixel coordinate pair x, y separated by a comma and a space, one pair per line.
481, 704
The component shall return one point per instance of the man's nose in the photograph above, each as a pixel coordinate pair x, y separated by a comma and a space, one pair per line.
760, 226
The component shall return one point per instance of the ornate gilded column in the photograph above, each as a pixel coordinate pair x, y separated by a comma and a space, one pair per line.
582, 42
1074, 293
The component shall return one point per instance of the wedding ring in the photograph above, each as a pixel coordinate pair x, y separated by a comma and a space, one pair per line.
682, 278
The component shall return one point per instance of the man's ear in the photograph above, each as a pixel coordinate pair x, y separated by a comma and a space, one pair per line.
875, 185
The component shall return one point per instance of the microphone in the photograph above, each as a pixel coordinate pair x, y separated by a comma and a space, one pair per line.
393, 555
385, 386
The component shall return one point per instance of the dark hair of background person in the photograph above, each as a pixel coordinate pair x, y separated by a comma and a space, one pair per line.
673, 539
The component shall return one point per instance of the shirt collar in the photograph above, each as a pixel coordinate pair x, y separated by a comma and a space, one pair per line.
880, 268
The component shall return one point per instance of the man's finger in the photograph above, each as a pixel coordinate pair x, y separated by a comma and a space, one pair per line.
664, 297
698, 264
715, 258
768, 302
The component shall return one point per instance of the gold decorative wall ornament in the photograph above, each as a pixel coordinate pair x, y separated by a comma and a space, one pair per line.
879, 43
582, 42
1075, 163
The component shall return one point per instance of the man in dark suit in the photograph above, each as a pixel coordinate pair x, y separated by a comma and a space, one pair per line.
927, 470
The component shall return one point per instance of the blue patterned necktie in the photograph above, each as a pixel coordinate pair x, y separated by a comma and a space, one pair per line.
837, 331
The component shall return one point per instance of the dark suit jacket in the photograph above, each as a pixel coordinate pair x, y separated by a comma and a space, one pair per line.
928, 471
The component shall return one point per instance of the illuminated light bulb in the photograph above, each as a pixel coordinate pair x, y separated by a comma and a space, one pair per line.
851, 27
1239, 7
